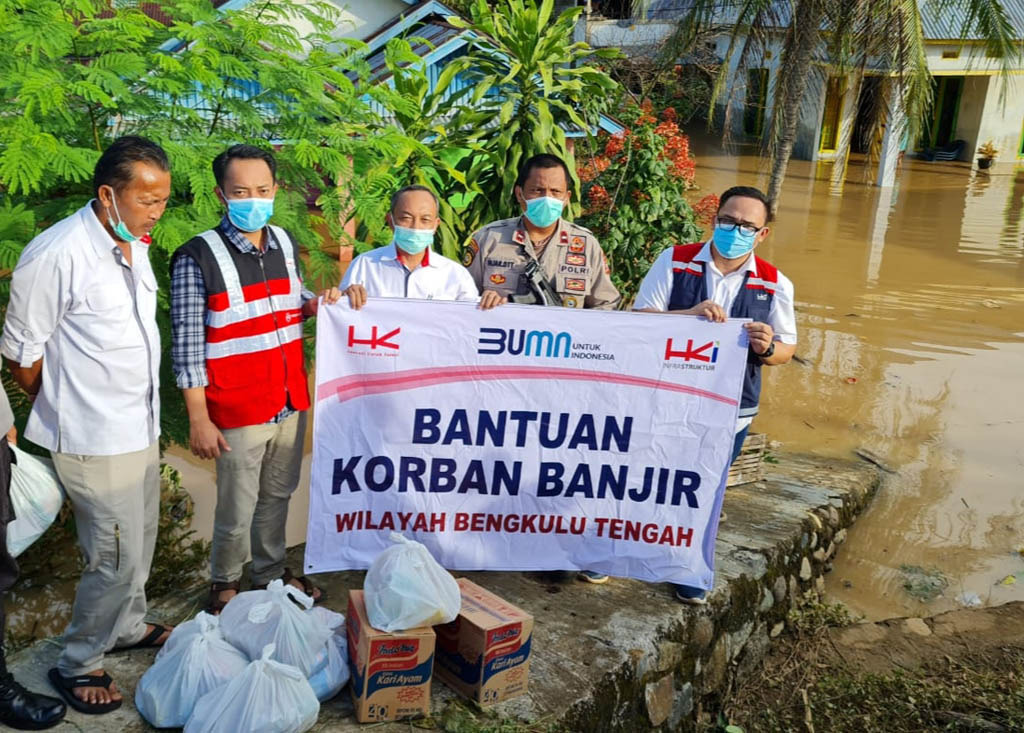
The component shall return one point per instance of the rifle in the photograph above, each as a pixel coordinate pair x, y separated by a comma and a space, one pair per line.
541, 292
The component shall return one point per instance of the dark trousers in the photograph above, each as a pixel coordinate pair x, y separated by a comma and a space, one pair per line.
737, 445
8, 565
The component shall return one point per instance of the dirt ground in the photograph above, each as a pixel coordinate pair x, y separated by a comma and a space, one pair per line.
958, 671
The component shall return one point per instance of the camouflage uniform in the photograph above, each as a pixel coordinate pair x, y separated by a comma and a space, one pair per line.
572, 260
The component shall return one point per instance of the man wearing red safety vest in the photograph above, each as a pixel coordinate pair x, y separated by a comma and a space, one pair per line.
237, 306
723, 278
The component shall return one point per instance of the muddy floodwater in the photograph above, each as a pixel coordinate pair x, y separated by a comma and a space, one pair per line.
910, 307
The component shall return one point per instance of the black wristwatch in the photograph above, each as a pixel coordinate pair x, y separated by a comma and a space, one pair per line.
767, 353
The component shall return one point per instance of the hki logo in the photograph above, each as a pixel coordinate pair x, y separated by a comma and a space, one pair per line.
528, 343
375, 341
707, 353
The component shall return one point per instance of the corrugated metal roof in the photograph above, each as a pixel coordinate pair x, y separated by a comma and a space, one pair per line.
938, 23
424, 38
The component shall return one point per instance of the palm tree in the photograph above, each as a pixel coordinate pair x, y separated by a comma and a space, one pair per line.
849, 37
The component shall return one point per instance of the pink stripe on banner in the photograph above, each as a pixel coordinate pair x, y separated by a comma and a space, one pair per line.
347, 388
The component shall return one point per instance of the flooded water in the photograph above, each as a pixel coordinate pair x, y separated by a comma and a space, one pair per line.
910, 305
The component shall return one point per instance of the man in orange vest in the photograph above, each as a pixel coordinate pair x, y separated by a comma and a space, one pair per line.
237, 306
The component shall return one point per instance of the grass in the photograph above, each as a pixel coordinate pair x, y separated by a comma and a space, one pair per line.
801, 688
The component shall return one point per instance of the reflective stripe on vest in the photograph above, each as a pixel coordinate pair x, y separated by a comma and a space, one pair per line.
239, 311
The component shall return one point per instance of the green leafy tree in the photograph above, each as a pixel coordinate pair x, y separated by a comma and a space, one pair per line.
76, 74
527, 80
634, 193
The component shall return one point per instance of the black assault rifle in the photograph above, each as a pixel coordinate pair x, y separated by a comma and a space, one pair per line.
541, 292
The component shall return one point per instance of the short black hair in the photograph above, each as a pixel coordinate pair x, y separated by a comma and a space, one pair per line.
543, 160
397, 195
114, 168
751, 193
242, 152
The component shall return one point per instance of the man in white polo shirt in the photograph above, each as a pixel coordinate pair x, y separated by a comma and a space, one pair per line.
407, 268
81, 339
723, 278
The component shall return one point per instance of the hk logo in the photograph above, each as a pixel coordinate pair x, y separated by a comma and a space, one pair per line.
707, 353
376, 341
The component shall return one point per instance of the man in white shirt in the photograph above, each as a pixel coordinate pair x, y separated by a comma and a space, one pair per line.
81, 339
723, 278
407, 268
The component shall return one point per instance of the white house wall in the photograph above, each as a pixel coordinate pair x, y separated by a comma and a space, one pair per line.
972, 111
1001, 122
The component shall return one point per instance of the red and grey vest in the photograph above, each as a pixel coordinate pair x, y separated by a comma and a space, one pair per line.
754, 300
254, 358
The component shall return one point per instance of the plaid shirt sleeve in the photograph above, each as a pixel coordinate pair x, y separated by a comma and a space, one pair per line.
188, 323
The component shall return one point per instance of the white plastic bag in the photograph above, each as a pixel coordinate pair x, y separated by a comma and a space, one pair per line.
186, 630
268, 697
405, 587
199, 661
256, 618
36, 496
328, 681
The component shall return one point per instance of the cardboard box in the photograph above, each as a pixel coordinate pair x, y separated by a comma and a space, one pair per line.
390, 672
484, 653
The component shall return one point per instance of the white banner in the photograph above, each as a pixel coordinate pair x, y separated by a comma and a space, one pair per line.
523, 438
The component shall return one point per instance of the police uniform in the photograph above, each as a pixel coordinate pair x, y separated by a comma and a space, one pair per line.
572, 261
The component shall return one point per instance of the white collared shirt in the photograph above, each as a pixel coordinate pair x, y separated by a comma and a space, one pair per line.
656, 290
72, 305
384, 276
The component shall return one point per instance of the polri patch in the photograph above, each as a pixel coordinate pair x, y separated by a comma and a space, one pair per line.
497, 278
574, 259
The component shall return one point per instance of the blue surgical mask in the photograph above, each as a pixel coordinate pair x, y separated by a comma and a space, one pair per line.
544, 211
120, 229
250, 215
413, 241
733, 244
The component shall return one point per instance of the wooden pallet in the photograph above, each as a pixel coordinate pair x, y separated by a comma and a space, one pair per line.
749, 464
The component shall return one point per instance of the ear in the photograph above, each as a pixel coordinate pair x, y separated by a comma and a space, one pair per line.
763, 234
105, 194
390, 221
517, 191
220, 195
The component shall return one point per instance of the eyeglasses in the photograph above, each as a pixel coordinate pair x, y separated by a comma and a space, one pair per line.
729, 225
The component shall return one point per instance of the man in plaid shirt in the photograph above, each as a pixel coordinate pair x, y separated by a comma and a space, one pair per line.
237, 306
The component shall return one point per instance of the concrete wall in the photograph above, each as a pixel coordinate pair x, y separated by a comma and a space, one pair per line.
1001, 121
627, 33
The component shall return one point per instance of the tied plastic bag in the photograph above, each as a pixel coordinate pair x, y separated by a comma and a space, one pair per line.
200, 660
36, 497
256, 618
405, 587
328, 681
268, 697
185, 631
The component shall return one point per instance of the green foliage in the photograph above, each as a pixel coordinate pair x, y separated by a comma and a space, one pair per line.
78, 74
634, 193
527, 75
179, 558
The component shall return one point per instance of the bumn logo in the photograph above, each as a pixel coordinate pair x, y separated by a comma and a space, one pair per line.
692, 353
375, 341
528, 343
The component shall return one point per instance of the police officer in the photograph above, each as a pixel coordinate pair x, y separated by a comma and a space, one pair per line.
540, 257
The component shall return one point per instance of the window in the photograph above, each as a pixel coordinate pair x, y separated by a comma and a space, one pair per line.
757, 96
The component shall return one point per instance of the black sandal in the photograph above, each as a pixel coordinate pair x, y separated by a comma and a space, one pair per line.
307, 586
65, 685
214, 605
148, 641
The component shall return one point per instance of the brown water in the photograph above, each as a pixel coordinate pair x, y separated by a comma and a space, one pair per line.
910, 306
917, 293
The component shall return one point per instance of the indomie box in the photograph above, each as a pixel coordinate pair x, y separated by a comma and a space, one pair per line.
485, 652
390, 672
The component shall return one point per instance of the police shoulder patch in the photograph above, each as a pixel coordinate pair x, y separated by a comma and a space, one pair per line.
470, 254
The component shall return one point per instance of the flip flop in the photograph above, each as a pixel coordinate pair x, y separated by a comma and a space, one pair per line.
65, 685
214, 605
147, 642
307, 586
